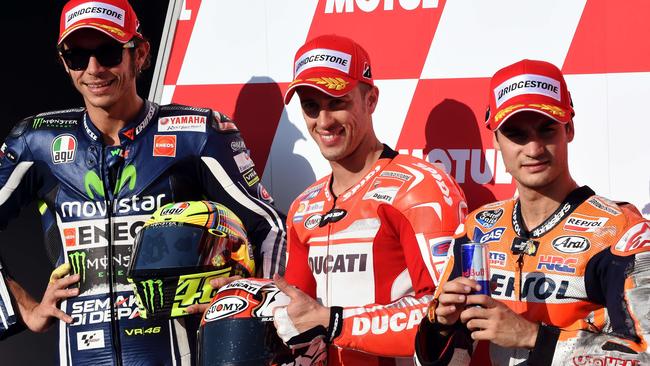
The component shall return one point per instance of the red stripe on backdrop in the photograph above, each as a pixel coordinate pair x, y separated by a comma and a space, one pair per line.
255, 108
451, 113
397, 40
184, 30
612, 36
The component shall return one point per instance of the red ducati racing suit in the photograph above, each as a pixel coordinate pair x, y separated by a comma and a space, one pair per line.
583, 274
370, 250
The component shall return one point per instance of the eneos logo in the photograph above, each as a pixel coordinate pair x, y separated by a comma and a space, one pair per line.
64, 148
164, 145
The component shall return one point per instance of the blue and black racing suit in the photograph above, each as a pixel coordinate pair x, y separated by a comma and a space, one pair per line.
94, 198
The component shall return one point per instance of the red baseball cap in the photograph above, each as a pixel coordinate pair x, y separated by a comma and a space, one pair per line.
528, 85
115, 18
332, 64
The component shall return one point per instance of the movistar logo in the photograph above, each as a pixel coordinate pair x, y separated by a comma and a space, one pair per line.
92, 182
116, 152
149, 290
78, 262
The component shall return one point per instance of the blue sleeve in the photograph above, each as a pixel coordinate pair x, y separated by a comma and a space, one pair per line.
229, 177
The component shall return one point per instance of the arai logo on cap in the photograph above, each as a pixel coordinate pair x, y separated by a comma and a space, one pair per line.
225, 307
94, 10
323, 57
527, 84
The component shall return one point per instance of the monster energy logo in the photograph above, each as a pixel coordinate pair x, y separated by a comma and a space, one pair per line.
78, 262
92, 182
53, 123
37, 122
149, 288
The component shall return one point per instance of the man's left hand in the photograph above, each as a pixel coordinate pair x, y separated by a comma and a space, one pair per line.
495, 322
304, 312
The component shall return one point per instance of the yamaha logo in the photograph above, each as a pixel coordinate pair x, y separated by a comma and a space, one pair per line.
571, 244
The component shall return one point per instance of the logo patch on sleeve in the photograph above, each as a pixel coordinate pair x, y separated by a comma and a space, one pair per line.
164, 145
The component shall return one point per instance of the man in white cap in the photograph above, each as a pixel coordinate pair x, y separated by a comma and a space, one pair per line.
101, 171
570, 270
367, 242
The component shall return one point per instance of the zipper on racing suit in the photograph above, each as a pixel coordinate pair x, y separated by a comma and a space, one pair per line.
113, 173
520, 267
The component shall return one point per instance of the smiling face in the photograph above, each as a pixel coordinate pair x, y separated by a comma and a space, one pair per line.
535, 150
101, 86
341, 126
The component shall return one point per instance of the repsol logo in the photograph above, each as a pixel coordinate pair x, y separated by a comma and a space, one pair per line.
367, 6
382, 324
534, 288
341, 263
122, 206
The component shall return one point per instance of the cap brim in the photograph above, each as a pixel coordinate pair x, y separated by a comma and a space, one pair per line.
335, 86
554, 112
113, 32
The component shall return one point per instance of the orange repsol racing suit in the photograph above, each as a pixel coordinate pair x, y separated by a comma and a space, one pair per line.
95, 198
583, 274
368, 253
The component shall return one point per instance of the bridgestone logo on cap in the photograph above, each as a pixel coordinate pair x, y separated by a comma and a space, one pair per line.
95, 10
323, 57
527, 84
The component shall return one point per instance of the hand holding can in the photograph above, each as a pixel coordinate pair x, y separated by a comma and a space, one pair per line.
475, 265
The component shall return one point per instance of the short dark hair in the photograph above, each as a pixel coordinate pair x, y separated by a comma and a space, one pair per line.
147, 61
364, 88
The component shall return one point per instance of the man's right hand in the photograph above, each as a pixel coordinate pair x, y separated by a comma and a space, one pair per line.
39, 316
216, 283
453, 298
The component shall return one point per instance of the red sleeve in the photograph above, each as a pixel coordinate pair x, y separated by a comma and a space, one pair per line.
390, 329
298, 272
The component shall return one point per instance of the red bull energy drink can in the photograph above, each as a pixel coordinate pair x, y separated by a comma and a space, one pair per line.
475, 264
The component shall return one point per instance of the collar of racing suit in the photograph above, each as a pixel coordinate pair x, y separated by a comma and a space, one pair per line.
386, 153
570, 203
131, 130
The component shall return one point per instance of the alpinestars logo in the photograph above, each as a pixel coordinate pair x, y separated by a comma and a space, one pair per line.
64, 148
148, 291
78, 263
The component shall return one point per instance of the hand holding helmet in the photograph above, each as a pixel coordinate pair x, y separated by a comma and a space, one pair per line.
237, 329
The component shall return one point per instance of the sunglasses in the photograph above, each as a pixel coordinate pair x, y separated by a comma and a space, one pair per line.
108, 55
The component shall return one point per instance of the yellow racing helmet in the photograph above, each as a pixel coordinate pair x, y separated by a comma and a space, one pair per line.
179, 250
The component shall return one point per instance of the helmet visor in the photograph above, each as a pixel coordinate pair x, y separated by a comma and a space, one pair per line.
172, 245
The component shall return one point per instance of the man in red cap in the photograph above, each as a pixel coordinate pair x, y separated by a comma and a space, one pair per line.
101, 171
570, 270
367, 242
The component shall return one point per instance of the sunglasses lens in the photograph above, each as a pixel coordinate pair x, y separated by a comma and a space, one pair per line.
76, 59
108, 56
